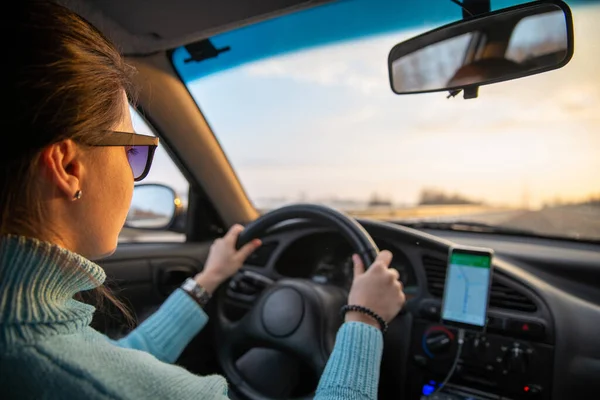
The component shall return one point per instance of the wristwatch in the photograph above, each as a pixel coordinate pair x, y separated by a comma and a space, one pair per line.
197, 292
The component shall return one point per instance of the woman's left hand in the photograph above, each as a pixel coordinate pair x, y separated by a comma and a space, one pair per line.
224, 260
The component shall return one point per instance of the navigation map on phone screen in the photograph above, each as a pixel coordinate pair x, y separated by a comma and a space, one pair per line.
467, 287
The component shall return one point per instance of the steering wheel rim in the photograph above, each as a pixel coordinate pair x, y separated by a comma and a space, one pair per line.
362, 243
270, 322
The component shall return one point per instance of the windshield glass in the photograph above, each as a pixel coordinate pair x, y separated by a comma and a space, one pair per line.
319, 123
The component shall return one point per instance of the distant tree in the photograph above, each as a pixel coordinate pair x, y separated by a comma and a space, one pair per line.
432, 196
378, 201
593, 200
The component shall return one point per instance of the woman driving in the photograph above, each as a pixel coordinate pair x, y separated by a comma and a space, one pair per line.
65, 190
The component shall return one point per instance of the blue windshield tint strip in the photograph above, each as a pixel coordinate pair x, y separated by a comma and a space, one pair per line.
330, 23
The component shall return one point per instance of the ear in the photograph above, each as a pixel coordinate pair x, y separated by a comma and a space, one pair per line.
62, 166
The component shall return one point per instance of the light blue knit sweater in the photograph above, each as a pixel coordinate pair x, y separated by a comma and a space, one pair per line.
49, 351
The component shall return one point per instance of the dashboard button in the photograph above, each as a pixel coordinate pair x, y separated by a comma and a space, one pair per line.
430, 310
532, 391
528, 329
516, 361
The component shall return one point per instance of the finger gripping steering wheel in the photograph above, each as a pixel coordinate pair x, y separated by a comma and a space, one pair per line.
295, 316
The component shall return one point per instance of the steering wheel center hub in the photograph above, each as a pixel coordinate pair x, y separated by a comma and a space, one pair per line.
283, 312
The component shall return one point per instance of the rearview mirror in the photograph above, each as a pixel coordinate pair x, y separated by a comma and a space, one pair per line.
503, 45
153, 207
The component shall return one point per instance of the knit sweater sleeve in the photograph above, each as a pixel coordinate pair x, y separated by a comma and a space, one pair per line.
352, 371
167, 332
84, 367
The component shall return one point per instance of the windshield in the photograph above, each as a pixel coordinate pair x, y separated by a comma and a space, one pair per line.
319, 123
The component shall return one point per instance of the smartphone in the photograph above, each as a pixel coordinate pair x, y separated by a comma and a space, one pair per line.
467, 287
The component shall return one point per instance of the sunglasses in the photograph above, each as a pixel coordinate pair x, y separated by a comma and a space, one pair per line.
140, 150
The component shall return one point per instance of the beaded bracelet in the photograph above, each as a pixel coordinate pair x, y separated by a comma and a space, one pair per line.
367, 311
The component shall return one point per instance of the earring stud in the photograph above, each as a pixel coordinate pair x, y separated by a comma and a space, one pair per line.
77, 195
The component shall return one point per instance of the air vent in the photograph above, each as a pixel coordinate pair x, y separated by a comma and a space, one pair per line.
508, 298
502, 296
260, 257
435, 270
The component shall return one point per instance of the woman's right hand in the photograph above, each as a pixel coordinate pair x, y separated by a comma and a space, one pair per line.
378, 289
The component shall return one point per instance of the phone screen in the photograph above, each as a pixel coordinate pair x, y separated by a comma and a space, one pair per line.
466, 292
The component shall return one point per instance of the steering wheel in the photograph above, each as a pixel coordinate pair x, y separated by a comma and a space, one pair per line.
296, 316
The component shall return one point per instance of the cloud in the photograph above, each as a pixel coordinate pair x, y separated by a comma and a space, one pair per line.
348, 65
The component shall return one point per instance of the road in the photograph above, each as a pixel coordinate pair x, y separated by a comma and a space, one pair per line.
577, 221
580, 221
573, 221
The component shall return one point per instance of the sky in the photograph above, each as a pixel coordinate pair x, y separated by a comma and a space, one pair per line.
323, 123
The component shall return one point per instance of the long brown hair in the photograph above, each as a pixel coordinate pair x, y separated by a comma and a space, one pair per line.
65, 80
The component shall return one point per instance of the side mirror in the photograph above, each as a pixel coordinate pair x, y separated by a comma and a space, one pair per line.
503, 45
153, 207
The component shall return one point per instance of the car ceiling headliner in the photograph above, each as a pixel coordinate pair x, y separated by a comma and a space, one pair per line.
141, 27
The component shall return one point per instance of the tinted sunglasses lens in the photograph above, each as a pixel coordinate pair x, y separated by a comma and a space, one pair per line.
138, 158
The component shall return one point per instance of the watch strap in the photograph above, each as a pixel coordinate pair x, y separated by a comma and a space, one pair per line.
197, 292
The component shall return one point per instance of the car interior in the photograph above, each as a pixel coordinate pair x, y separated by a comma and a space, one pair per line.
543, 321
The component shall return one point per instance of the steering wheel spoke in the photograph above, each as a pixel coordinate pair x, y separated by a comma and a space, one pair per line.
287, 318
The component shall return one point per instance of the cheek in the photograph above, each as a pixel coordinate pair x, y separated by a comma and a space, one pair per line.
126, 178
119, 182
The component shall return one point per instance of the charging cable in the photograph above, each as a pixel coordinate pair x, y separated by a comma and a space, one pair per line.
460, 340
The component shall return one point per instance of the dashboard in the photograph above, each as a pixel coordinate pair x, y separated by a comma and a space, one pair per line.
543, 327
325, 257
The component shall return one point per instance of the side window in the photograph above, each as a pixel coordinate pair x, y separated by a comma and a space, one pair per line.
164, 171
